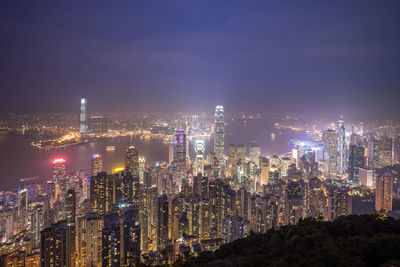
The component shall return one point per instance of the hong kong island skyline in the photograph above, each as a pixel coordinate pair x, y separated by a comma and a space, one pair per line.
199, 133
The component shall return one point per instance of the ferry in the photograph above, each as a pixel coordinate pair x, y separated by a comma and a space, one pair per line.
110, 148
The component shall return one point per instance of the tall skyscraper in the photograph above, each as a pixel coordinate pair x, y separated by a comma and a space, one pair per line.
385, 152
142, 168
330, 153
365, 176
341, 147
130, 243
96, 125
58, 245
254, 153
82, 117
70, 206
180, 147
384, 192
356, 161
97, 164
199, 148
111, 240
219, 133
59, 171
339, 203
170, 154
132, 161
89, 240
236, 160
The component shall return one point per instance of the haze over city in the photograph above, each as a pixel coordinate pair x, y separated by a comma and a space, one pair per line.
199, 133
191, 55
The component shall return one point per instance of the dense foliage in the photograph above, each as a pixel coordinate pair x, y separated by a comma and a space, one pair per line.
353, 240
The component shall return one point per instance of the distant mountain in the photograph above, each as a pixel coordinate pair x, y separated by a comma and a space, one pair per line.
366, 240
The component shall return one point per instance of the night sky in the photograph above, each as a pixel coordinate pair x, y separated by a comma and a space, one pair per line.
271, 56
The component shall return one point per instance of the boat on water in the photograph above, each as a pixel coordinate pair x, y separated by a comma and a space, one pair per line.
110, 148
273, 136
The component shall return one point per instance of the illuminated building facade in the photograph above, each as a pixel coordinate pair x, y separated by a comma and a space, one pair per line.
330, 153
236, 161
341, 148
89, 240
385, 152
58, 245
111, 240
97, 125
339, 203
366, 177
199, 148
59, 171
180, 147
70, 206
82, 117
97, 164
254, 154
384, 192
132, 161
219, 134
356, 161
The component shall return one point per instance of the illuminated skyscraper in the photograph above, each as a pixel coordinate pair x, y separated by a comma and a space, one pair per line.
330, 153
89, 240
97, 164
219, 134
130, 229
102, 192
356, 161
111, 240
59, 171
384, 192
339, 203
70, 206
254, 153
170, 154
385, 152
142, 168
132, 161
82, 117
97, 125
58, 245
236, 160
180, 147
199, 150
341, 147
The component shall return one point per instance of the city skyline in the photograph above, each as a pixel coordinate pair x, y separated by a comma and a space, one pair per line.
199, 133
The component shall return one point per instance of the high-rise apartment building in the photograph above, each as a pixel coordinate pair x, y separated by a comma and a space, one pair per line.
58, 245
330, 153
384, 192
132, 161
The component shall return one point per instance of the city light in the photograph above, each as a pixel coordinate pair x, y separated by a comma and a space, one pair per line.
59, 161
118, 169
